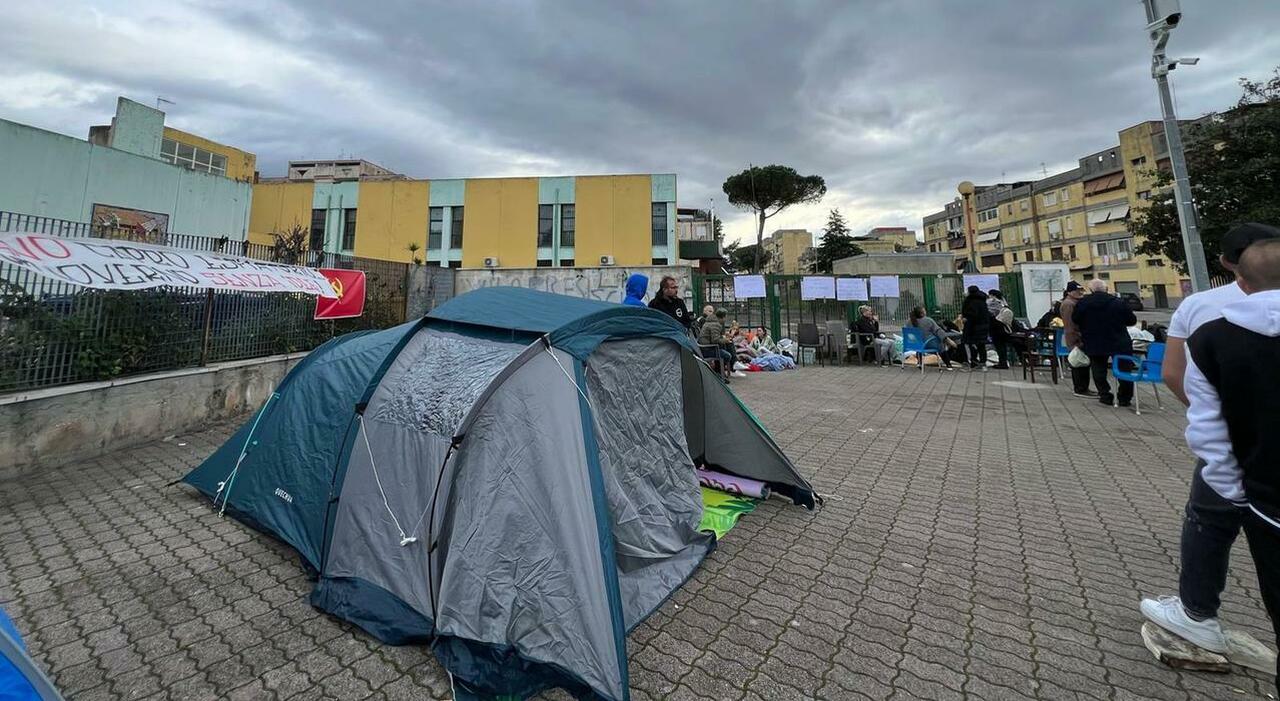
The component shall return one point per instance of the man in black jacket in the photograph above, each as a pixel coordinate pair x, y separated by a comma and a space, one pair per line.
669, 302
1104, 321
1231, 382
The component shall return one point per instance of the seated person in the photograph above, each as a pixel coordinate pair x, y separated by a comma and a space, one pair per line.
1052, 318
712, 338
867, 330
762, 343
936, 337
741, 344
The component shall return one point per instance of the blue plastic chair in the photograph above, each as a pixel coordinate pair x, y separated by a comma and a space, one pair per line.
913, 340
1146, 370
1061, 351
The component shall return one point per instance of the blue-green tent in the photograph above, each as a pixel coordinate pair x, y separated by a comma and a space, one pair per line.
510, 479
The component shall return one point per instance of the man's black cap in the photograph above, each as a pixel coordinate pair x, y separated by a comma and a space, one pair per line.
1242, 235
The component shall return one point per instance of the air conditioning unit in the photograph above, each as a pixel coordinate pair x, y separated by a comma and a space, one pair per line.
606, 260
997, 245
490, 262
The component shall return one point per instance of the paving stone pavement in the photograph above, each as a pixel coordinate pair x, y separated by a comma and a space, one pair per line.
981, 539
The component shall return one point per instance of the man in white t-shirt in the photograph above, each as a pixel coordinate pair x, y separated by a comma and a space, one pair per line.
1211, 523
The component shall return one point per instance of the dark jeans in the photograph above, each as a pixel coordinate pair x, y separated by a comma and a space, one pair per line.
977, 354
1264, 545
1001, 341
1209, 528
1079, 379
1100, 365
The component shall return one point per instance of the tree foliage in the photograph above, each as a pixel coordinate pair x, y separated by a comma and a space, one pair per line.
1233, 160
836, 243
288, 246
767, 190
742, 259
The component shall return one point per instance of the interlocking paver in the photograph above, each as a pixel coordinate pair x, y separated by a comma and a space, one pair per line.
980, 540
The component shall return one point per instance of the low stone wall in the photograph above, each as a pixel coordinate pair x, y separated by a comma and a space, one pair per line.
51, 427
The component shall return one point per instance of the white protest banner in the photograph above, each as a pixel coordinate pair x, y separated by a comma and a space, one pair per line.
984, 281
109, 264
851, 289
884, 285
748, 286
817, 287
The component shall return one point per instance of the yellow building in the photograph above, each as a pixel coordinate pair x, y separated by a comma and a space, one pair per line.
1079, 217
198, 153
786, 247
574, 221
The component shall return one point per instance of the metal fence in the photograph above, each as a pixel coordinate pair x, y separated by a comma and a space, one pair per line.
56, 333
782, 309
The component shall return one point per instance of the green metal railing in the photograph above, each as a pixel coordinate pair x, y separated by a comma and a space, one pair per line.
782, 310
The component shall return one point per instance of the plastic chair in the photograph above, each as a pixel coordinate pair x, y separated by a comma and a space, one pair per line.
838, 340
1147, 370
807, 337
913, 340
1061, 351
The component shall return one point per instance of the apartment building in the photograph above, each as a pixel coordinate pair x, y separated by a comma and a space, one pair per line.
786, 249
1079, 216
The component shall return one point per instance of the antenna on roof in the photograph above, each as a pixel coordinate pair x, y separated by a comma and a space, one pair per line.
1044, 172
160, 100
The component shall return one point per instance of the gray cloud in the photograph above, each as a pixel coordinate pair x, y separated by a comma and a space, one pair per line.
893, 102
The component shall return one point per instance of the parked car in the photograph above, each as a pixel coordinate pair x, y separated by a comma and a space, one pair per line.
1133, 300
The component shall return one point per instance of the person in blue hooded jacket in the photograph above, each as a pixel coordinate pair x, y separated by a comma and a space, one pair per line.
637, 286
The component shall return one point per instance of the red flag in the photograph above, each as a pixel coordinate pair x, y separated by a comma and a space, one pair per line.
349, 284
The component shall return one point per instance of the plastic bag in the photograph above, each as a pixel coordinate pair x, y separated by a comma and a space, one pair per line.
1077, 359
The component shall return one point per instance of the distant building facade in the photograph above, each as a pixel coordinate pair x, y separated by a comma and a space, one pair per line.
1079, 216
786, 249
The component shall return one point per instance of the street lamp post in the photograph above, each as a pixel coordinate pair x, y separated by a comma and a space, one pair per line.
1162, 17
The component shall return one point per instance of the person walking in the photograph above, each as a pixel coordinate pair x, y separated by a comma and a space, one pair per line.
1071, 337
1210, 523
669, 302
637, 287
977, 326
1230, 383
1001, 326
1103, 321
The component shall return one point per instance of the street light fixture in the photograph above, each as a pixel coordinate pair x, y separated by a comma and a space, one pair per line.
1162, 17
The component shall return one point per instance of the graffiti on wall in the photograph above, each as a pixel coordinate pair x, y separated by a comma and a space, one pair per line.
601, 284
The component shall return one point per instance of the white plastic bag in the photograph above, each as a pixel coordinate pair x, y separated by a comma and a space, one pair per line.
1077, 359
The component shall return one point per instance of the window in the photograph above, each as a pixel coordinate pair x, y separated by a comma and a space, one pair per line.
1055, 253
1102, 248
435, 228
1139, 161
544, 262
1144, 195
1071, 252
455, 231
1054, 227
659, 261
1104, 276
1031, 256
1155, 262
567, 225
348, 229
1024, 205
455, 264
1064, 194
987, 215
1069, 223
566, 263
317, 229
659, 223
1050, 199
545, 211
1008, 209
993, 260
1015, 256
193, 158
1026, 233
1124, 249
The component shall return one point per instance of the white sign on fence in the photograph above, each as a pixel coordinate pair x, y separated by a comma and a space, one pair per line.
984, 281
748, 286
817, 287
851, 289
123, 265
884, 286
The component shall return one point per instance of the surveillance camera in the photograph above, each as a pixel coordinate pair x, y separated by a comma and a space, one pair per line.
1164, 23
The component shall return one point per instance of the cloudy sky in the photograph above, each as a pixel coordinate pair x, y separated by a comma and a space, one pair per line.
893, 101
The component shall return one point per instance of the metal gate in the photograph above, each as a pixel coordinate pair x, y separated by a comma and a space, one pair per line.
782, 310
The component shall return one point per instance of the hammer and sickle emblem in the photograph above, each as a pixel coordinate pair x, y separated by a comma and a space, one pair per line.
336, 284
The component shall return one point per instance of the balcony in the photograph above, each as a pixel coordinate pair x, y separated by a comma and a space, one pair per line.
953, 244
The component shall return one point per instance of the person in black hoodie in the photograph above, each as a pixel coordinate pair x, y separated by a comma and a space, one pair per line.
669, 302
977, 326
1231, 385
1104, 320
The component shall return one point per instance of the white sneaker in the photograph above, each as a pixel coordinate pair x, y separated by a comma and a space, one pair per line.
1167, 612
739, 373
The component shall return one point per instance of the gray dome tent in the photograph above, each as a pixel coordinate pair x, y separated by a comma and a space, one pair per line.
510, 479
